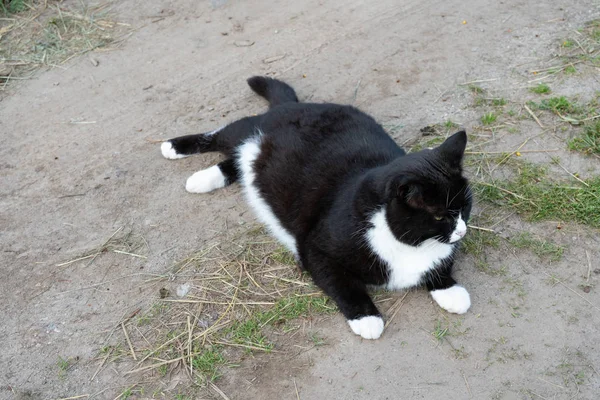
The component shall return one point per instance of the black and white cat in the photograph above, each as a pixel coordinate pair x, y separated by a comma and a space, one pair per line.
335, 189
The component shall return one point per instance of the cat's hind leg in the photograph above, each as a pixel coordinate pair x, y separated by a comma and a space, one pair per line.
215, 177
224, 140
184, 146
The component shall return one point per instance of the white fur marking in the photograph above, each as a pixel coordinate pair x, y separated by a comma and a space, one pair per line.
370, 327
406, 263
213, 132
206, 180
455, 299
248, 153
169, 152
459, 231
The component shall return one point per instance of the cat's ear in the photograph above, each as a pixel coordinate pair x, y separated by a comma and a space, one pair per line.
453, 149
406, 190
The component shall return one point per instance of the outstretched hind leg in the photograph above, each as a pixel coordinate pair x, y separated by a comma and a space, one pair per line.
184, 146
215, 177
224, 140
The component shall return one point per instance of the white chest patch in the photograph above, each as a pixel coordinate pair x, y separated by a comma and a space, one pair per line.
248, 152
406, 263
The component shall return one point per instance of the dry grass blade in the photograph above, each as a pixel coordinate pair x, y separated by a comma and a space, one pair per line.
509, 155
122, 241
578, 295
218, 391
533, 116
247, 346
504, 152
396, 307
589, 271
128, 341
102, 363
467, 384
478, 228
125, 392
296, 387
573, 175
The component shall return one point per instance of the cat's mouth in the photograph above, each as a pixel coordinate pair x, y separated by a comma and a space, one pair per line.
457, 235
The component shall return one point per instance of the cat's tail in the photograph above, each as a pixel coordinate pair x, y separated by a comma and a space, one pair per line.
276, 92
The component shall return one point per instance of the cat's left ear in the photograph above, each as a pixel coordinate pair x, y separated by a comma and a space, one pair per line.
453, 149
406, 189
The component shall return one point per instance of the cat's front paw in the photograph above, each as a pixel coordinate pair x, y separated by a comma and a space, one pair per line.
455, 299
168, 151
370, 327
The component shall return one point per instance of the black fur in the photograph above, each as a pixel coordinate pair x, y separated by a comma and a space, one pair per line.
276, 92
324, 169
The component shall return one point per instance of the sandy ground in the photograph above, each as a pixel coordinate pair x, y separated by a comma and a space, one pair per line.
76, 166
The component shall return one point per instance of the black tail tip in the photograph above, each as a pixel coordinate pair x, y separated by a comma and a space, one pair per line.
259, 84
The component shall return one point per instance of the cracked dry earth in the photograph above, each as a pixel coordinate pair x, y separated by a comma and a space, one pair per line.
532, 332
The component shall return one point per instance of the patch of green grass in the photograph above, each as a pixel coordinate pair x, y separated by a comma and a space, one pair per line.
489, 118
316, 339
126, 394
580, 378
208, 362
476, 89
538, 197
440, 332
433, 142
460, 354
13, 6
559, 105
588, 141
283, 256
477, 242
541, 88
485, 101
249, 333
289, 308
567, 44
62, 364
515, 286
592, 30
450, 125
155, 311
162, 370
570, 70
540, 247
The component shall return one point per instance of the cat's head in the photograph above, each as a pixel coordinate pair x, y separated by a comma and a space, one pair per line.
427, 196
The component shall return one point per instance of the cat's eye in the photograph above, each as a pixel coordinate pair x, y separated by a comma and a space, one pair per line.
438, 218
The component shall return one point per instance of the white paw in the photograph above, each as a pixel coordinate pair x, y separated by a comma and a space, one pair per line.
369, 327
169, 152
455, 299
206, 180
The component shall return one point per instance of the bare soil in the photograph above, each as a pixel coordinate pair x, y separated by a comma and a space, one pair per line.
80, 162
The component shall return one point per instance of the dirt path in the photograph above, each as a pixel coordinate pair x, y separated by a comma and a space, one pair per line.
77, 166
